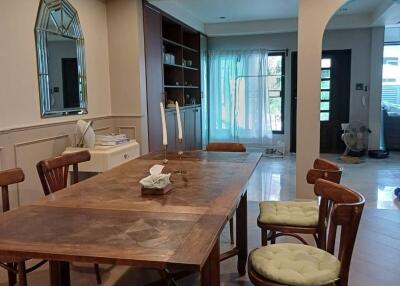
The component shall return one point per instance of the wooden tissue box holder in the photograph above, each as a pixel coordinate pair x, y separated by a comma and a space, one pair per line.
156, 191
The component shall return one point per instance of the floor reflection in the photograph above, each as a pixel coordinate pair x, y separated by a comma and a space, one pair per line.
274, 179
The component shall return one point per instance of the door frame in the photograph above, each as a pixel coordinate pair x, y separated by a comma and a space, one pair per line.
293, 97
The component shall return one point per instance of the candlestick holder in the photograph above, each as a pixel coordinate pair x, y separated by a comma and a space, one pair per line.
180, 171
165, 161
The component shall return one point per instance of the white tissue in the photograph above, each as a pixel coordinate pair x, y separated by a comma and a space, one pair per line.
156, 179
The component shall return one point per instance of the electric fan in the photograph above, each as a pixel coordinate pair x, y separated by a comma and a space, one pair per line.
355, 137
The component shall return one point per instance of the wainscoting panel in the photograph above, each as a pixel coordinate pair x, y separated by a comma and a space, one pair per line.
130, 131
24, 147
27, 154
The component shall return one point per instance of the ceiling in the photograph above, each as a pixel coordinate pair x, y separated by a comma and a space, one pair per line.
211, 11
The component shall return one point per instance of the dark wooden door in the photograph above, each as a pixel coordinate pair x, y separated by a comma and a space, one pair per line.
70, 82
154, 75
335, 99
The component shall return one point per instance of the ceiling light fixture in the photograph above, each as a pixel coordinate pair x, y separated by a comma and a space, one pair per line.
222, 17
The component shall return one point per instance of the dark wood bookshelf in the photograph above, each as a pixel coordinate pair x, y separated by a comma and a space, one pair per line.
173, 74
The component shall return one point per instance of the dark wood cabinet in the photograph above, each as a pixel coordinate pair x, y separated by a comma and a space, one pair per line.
189, 125
172, 131
172, 51
191, 128
154, 75
197, 128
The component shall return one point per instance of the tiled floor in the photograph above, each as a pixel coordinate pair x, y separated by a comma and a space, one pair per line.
274, 179
376, 256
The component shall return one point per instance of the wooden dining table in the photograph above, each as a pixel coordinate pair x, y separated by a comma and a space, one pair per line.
105, 219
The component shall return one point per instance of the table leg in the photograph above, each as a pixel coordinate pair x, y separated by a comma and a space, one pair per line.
210, 274
241, 234
59, 273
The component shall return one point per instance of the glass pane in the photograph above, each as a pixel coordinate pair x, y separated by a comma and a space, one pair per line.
325, 106
325, 84
391, 76
275, 65
326, 63
324, 116
275, 83
274, 93
325, 95
326, 73
66, 19
52, 25
56, 14
275, 108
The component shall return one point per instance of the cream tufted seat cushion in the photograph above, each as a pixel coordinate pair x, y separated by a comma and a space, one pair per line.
294, 213
295, 264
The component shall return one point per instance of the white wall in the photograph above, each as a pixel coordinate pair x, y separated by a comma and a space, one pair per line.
358, 40
19, 94
127, 64
375, 100
26, 138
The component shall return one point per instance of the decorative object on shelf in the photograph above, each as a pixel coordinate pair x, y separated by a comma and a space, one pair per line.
189, 63
170, 103
169, 59
177, 83
164, 133
157, 183
84, 134
187, 99
193, 101
184, 62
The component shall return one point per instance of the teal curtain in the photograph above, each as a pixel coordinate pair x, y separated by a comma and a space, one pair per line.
239, 105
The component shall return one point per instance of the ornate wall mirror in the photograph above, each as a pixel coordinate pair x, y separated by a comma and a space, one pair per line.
61, 59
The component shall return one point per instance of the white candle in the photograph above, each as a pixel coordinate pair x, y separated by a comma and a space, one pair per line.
178, 118
164, 126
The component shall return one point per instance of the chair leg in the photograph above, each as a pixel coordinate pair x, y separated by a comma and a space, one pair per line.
12, 277
231, 230
22, 274
273, 238
98, 275
264, 237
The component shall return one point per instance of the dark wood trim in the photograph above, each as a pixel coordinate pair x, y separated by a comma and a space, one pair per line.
283, 87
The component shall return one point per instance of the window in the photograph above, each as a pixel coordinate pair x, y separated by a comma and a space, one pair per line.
276, 90
325, 108
391, 61
391, 75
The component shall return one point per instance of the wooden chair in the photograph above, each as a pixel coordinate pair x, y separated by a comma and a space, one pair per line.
14, 266
299, 217
227, 147
53, 174
339, 206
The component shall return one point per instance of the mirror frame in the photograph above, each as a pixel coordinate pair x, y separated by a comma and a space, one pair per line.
72, 30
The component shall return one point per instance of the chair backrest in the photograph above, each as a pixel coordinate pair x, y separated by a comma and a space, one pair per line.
53, 173
9, 177
342, 207
226, 147
324, 169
